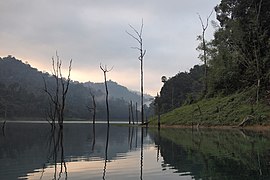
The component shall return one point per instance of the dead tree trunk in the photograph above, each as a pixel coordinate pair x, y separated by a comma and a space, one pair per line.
105, 70
57, 98
131, 110
3, 127
137, 35
136, 107
157, 108
129, 117
93, 109
204, 58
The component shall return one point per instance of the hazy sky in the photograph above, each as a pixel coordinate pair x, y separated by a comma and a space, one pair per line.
94, 31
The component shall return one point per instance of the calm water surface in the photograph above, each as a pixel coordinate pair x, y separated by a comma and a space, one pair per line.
32, 151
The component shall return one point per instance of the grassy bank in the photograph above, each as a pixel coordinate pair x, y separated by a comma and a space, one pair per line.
219, 111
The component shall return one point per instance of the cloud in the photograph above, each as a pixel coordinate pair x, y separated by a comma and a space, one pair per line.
93, 32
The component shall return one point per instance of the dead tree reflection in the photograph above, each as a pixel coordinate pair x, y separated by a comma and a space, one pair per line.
106, 152
56, 154
3, 128
131, 137
136, 138
141, 162
158, 144
94, 137
128, 135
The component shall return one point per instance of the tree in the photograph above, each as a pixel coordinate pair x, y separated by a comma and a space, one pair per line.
93, 109
105, 70
22, 94
177, 89
157, 108
57, 97
137, 35
163, 79
242, 46
203, 48
131, 111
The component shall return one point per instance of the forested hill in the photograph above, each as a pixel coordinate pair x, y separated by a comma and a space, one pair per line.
22, 94
181, 89
236, 67
118, 91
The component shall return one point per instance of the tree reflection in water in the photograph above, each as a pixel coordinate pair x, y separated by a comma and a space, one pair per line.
3, 128
215, 154
141, 164
55, 148
94, 137
106, 152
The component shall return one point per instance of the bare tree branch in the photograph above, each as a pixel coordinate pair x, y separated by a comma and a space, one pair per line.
57, 99
138, 37
204, 28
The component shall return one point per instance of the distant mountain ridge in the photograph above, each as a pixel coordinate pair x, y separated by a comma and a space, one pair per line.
118, 91
22, 94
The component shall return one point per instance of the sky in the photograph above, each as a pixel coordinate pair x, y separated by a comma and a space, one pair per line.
93, 32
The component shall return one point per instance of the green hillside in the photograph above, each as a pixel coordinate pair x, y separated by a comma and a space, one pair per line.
219, 111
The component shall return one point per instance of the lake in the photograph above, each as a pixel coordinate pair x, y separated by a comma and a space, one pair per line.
32, 151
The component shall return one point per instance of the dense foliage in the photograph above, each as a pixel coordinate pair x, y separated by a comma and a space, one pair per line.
240, 51
180, 89
238, 58
22, 94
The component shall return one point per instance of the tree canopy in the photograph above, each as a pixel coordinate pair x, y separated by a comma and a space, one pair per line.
240, 48
238, 57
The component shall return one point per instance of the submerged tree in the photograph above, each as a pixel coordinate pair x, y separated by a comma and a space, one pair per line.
93, 110
137, 35
105, 70
57, 96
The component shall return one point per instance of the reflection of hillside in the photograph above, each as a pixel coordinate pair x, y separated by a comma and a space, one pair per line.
25, 147
218, 154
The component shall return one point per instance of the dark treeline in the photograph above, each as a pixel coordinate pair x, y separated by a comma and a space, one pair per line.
238, 58
22, 94
183, 88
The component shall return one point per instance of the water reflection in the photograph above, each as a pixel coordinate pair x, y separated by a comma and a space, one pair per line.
141, 164
32, 151
54, 153
216, 154
106, 151
57, 139
4, 128
94, 136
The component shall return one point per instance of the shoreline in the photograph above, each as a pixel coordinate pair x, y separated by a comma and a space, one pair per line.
221, 127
